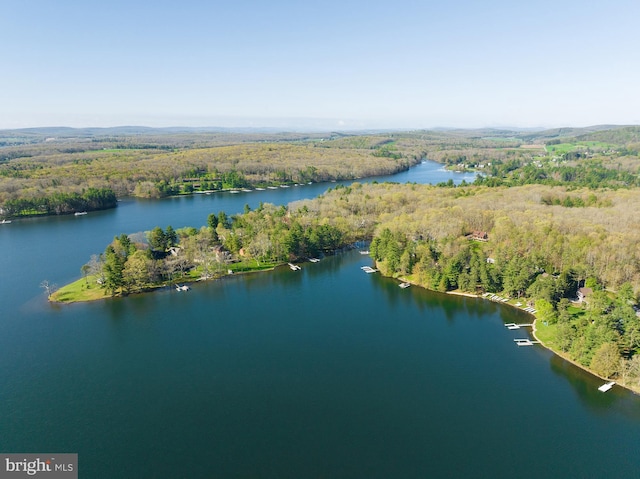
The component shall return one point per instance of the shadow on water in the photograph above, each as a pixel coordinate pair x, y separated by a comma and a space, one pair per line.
586, 385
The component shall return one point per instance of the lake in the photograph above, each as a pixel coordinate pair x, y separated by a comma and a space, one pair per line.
323, 372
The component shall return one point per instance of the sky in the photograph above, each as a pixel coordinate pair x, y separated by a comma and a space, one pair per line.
346, 64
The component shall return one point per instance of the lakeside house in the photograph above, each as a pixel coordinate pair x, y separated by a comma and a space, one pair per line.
583, 294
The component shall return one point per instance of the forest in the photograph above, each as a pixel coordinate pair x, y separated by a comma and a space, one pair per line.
39, 167
35, 174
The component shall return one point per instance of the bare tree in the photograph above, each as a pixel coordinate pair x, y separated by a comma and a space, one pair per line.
48, 287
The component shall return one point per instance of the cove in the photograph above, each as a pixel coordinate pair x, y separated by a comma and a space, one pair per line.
323, 372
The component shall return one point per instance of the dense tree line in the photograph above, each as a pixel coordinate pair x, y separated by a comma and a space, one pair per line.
156, 172
151, 166
268, 235
591, 174
61, 203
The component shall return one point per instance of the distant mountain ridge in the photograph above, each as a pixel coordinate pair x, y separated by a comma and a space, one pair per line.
612, 133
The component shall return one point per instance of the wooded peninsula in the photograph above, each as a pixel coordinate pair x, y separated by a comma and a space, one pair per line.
552, 223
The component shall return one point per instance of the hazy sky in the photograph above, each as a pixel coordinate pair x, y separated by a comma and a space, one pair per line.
349, 63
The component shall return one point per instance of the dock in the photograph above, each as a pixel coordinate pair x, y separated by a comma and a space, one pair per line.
525, 342
184, 287
517, 326
606, 386
294, 267
495, 297
365, 252
368, 269
404, 285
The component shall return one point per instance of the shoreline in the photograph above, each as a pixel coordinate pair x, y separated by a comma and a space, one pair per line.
149, 289
401, 278
575, 363
535, 336
253, 187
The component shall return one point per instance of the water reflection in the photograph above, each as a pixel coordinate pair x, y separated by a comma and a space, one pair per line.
586, 385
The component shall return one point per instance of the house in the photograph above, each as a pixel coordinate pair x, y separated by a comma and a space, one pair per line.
583, 294
478, 236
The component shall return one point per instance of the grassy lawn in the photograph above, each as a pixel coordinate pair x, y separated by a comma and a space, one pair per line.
80, 290
546, 333
562, 148
251, 265
88, 290
574, 311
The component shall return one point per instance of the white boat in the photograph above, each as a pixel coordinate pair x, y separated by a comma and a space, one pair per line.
5, 222
80, 213
364, 252
404, 285
234, 191
294, 267
314, 260
184, 287
605, 387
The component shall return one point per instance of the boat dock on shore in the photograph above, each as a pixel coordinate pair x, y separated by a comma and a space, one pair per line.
518, 326
606, 386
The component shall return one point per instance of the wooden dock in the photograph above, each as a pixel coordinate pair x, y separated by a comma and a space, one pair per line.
606, 386
495, 297
517, 326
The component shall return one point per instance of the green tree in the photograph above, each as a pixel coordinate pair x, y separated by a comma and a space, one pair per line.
223, 220
171, 237
212, 221
135, 274
113, 270
545, 310
606, 360
157, 240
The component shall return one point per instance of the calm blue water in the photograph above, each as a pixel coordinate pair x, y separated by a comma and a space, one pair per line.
325, 372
